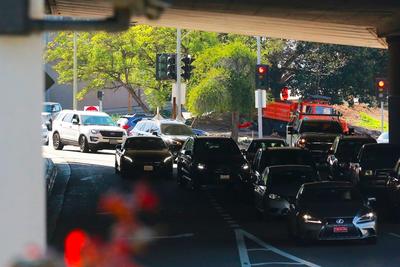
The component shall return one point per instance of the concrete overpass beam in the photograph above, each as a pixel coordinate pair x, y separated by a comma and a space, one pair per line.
394, 91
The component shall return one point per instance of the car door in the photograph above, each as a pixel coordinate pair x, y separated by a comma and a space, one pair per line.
65, 129
260, 189
74, 128
187, 158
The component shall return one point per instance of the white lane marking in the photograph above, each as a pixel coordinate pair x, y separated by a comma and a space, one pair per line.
276, 263
395, 235
244, 257
258, 249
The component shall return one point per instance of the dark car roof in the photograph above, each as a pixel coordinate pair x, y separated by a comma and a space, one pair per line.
212, 138
268, 139
327, 184
144, 137
289, 167
285, 149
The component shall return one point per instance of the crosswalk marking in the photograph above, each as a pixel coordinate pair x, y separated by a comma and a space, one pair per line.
244, 256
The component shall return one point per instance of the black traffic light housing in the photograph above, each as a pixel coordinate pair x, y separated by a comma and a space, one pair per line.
100, 95
171, 67
262, 76
187, 67
381, 87
161, 67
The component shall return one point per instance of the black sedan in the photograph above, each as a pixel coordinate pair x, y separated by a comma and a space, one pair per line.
277, 188
143, 155
332, 211
344, 150
262, 143
211, 161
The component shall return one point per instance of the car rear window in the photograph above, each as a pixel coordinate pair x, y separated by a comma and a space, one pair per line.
349, 149
263, 144
287, 157
176, 129
216, 147
321, 127
380, 157
145, 144
282, 177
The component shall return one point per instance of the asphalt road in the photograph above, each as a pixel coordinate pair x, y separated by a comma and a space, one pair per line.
213, 227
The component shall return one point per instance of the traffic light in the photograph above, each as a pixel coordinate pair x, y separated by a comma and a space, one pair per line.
262, 72
381, 87
100, 95
171, 67
161, 67
187, 67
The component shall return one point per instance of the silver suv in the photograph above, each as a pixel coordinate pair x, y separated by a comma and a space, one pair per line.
173, 133
89, 130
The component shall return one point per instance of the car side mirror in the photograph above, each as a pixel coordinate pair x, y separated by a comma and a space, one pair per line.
75, 121
371, 201
154, 133
118, 147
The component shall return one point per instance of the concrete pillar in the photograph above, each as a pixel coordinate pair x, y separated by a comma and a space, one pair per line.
22, 190
394, 91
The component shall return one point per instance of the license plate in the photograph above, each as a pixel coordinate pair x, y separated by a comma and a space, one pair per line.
148, 168
340, 229
113, 142
224, 177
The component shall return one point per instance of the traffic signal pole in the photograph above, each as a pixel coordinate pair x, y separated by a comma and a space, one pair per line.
178, 76
259, 92
394, 89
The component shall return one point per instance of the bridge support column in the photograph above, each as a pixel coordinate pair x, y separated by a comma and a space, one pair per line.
394, 91
22, 190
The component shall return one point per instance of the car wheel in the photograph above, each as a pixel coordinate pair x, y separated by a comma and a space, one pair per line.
83, 144
57, 144
93, 150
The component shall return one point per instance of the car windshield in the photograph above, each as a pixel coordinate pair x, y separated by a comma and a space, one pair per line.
145, 144
333, 195
175, 129
97, 120
291, 177
349, 149
321, 127
287, 157
257, 144
47, 108
217, 147
380, 157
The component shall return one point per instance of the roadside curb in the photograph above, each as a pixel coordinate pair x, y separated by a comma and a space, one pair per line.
55, 200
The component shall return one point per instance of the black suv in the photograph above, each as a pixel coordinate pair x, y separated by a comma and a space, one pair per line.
262, 143
344, 150
211, 160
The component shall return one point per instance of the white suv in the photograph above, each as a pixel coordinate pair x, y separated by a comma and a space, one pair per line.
89, 130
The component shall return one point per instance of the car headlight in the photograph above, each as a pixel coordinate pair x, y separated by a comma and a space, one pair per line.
201, 166
302, 142
309, 219
94, 131
368, 173
167, 159
274, 196
368, 217
245, 167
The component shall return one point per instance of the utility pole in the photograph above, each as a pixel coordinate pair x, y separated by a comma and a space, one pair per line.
259, 92
75, 78
382, 118
178, 75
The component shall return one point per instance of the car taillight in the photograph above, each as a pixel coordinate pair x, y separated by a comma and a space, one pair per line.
125, 127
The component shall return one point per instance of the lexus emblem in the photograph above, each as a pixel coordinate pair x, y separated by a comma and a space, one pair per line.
339, 221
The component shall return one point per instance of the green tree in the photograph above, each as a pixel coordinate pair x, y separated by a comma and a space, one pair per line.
116, 60
224, 82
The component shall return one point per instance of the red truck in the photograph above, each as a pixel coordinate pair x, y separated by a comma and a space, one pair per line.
279, 113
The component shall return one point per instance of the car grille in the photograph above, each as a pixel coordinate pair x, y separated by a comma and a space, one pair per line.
332, 221
111, 134
328, 233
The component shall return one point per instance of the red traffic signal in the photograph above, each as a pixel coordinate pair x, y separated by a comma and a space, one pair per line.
262, 69
285, 93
